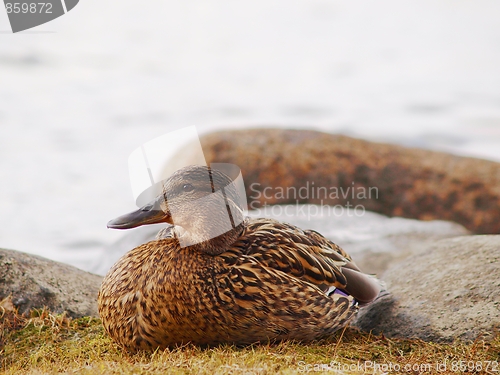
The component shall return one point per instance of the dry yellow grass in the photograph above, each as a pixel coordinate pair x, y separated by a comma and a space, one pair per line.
44, 343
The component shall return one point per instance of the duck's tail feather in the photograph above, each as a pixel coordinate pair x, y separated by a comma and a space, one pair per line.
364, 288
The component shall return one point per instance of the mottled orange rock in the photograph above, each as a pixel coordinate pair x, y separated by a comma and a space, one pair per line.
335, 169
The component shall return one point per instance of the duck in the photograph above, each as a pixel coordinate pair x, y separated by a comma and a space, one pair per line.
204, 282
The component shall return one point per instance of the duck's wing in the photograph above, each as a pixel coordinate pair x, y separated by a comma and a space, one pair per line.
306, 255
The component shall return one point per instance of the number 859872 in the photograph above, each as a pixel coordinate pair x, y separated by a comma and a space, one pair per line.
28, 7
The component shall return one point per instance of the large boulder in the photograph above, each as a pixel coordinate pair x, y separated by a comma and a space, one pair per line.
389, 179
36, 282
450, 291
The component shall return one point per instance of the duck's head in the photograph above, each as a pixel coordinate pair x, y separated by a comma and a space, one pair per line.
201, 203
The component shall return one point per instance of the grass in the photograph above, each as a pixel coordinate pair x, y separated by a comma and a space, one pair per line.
44, 343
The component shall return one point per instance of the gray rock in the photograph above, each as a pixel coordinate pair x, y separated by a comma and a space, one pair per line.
449, 291
35, 282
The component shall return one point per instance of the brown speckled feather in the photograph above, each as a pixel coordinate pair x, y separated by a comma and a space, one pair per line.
303, 254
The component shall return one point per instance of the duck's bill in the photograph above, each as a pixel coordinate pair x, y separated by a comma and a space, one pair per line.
149, 214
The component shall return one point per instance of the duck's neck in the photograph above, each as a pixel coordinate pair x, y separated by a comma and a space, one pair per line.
212, 246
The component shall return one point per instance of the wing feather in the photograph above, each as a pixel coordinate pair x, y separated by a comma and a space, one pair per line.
306, 255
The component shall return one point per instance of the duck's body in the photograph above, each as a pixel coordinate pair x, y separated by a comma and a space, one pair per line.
272, 282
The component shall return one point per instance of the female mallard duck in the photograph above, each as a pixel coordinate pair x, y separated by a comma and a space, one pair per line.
260, 281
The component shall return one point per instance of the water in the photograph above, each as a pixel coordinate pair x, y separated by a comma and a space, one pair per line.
76, 99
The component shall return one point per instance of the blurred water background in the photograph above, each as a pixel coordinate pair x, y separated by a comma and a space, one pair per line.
78, 94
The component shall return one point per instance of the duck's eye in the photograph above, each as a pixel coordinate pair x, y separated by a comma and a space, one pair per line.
147, 207
187, 187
